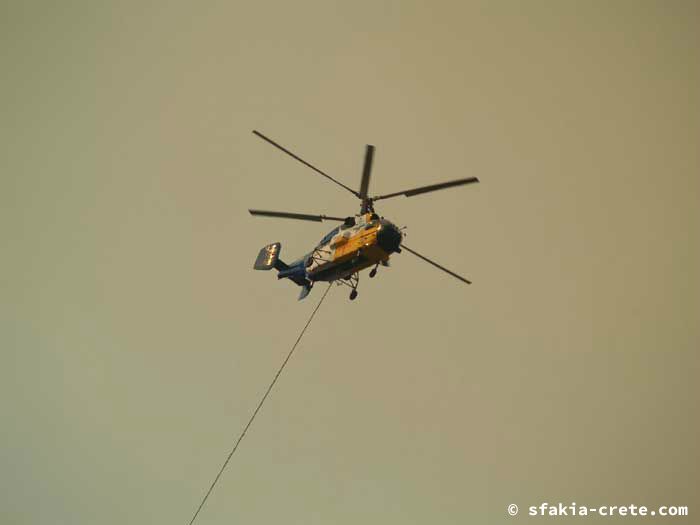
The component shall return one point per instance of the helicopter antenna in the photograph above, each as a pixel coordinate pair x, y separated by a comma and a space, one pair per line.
278, 146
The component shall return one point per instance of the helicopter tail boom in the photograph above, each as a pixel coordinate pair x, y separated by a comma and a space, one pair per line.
268, 258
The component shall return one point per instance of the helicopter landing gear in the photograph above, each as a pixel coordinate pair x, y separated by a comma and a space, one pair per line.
352, 282
373, 272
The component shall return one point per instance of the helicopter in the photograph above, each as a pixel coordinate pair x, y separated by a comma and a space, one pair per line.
359, 242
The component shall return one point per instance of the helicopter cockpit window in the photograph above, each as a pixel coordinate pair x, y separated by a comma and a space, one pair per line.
329, 235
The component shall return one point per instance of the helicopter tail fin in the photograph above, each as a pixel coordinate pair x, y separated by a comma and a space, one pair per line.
268, 258
305, 289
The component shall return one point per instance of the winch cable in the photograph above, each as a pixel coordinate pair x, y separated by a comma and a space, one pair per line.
260, 404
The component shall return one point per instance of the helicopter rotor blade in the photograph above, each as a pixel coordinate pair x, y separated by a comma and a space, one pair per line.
278, 146
299, 216
426, 189
366, 172
467, 281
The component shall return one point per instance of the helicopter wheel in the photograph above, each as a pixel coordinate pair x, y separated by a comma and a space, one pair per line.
353, 295
373, 272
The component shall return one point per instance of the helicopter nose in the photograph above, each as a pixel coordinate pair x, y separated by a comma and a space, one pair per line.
389, 238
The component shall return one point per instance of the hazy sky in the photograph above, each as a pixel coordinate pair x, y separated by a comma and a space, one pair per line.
136, 340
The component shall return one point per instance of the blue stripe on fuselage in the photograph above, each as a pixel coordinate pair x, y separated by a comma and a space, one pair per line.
296, 272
